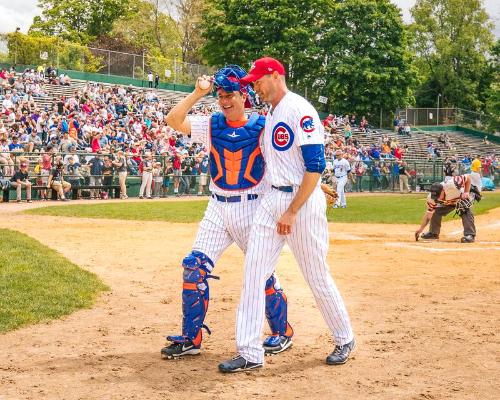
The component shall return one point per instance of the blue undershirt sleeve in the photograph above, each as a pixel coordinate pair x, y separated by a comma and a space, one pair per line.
314, 157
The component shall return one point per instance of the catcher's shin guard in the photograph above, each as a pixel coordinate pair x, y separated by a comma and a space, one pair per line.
195, 295
277, 309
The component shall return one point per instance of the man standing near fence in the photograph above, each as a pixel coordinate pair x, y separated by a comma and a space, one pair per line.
403, 177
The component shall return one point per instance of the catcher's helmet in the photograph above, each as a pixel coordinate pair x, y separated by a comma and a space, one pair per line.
228, 78
436, 189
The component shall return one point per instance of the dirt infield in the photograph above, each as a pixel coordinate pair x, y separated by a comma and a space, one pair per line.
426, 317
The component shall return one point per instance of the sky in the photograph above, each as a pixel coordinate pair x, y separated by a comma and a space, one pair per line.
20, 13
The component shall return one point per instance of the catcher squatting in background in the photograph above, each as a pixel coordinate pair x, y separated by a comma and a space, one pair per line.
457, 194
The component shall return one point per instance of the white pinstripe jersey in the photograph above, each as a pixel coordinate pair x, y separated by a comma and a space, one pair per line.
293, 123
200, 133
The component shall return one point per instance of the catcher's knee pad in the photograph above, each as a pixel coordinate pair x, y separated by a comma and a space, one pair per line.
277, 309
195, 295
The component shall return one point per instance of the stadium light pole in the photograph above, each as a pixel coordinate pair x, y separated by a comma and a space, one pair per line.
437, 116
17, 44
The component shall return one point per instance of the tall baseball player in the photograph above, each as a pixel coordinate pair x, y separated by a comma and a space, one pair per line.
237, 170
342, 171
293, 212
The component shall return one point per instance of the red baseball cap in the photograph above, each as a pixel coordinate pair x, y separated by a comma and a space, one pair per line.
263, 66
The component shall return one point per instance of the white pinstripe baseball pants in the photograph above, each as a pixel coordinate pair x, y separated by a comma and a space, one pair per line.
223, 224
309, 244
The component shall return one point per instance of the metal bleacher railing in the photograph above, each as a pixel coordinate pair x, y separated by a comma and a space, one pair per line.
422, 172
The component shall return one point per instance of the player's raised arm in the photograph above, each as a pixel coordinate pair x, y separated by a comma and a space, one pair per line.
177, 117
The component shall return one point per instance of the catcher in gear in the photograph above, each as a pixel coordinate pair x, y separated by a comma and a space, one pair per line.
330, 194
457, 195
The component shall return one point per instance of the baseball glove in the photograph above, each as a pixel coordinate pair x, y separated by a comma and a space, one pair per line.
330, 194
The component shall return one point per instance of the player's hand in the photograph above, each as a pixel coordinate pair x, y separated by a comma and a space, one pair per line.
285, 223
417, 234
464, 195
201, 81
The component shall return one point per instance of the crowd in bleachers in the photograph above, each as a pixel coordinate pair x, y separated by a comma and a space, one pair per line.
95, 119
97, 124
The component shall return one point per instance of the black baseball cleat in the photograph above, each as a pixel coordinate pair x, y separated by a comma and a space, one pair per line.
468, 239
276, 344
176, 350
238, 364
341, 354
429, 236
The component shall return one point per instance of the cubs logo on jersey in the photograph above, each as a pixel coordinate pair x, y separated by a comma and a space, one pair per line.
307, 124
282, 137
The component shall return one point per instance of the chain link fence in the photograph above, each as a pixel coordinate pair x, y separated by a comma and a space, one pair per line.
441, 116
19, 49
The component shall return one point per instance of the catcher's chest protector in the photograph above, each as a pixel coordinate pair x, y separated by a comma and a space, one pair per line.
236, 162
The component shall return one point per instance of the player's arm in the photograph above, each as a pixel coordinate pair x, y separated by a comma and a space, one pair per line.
177, 117
431, 205
468, 184
314, 159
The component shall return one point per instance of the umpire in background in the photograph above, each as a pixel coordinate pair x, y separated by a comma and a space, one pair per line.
454, 194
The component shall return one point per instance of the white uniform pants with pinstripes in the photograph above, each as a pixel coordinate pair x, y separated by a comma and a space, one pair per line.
341, 200
309, 244
224, 224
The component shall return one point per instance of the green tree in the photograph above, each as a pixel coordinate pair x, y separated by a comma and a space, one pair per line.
452, 38
492, 100
189, 26
27, 49
76, 20
367, 64
241, 31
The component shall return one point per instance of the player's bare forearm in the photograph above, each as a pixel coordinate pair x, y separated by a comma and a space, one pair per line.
309, 182
425, 220
177, 117
307, 186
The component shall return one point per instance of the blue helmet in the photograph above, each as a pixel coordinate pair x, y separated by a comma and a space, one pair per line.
228, 78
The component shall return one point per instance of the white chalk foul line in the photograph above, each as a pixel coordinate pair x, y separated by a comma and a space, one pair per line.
466, 247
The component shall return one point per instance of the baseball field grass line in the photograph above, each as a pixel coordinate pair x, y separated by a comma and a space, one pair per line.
388, 209
37, 284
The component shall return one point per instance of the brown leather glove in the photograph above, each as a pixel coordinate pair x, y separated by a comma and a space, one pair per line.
330, 194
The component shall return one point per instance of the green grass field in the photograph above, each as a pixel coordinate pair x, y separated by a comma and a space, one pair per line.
389, 209
38, 284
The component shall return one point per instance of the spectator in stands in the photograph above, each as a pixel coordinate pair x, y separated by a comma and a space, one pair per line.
73, 173
359, 172
475, 174
21, 180
4, 185
120, 163
56, 179
157, 180
203, 172
96, 171
177, 167
107, 175
385, 173
403, 177
407, 129
376, 176
168, 174
396, 124
449, 170
147, 176
6, 162
150, 79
